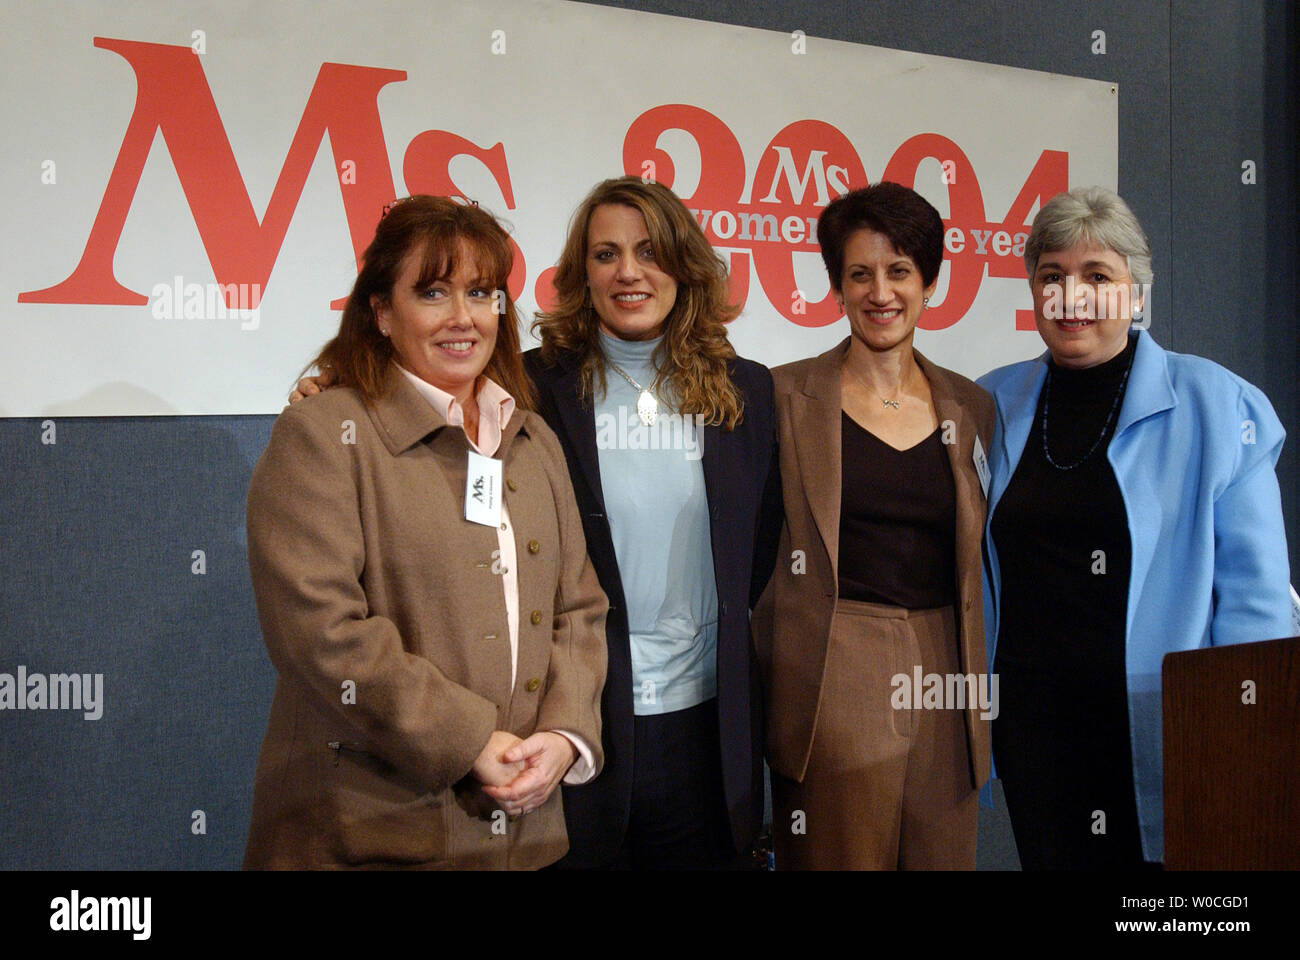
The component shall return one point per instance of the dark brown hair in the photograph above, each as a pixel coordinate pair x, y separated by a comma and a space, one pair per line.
694, 354
910, 222
432, 228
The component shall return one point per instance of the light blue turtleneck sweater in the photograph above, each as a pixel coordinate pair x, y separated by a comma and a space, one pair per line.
659, 519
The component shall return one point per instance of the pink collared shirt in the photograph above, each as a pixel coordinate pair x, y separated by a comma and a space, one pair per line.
495, 408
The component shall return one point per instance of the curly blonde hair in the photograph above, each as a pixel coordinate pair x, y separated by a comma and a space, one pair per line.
694, 355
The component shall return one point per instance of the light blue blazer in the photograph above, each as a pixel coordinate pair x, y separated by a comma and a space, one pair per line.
1194, 452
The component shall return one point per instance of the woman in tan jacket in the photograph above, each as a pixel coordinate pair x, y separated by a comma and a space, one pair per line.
875, 603
422, 579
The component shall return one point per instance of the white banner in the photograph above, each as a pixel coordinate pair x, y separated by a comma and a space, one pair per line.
188, 186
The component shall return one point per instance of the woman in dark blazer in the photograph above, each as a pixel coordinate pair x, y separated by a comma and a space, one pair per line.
642, 303
439, 670
870, 633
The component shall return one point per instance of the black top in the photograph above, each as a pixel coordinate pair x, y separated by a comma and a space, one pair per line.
898, 521
1062, 738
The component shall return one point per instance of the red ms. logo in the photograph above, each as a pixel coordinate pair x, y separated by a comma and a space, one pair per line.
803, 165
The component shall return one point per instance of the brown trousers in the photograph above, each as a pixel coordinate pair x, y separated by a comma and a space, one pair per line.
885, 788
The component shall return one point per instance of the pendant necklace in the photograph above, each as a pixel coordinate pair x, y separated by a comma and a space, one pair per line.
647, 407
888, 403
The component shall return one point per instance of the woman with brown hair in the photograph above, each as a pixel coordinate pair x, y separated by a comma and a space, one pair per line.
881, 455
422, 579
670, 444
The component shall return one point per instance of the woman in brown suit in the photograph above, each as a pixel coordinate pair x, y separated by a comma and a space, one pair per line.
422, 579
877, 588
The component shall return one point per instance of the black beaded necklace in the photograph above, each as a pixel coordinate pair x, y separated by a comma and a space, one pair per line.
1110, 417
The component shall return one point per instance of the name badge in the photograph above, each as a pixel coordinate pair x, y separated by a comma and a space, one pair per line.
981, 466
483, 490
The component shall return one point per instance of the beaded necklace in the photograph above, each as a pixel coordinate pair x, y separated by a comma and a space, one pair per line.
1114, 408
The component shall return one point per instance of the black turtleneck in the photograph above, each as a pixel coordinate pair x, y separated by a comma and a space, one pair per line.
1061, 531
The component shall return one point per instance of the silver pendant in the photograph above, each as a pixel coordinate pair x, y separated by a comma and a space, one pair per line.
647, 408
890, 403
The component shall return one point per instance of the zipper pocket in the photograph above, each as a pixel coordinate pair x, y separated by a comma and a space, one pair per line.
338, 746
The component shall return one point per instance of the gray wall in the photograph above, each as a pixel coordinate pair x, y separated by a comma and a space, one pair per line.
98, 529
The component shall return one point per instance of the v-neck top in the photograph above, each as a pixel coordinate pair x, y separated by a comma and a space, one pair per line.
898, 521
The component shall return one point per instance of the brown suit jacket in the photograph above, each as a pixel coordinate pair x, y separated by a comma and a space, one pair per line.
792, 621
387, 625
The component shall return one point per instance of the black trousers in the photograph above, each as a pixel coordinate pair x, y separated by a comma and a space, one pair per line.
678, 819
1061, 768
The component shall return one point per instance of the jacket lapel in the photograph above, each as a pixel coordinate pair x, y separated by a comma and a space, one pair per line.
1149, 392
815, 422
1017, 399
713, 461
575, 421
403, 417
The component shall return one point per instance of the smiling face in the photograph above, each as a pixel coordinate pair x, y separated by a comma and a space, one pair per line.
1082, 304
443, 332
632, 296
881, 291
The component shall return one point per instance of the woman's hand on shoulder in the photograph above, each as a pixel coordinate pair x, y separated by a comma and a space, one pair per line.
546, 757
309, 386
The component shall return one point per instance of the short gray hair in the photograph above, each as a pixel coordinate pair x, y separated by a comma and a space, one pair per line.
1093, 214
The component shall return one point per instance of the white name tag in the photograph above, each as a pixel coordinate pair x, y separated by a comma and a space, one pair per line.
981, 466
483, 490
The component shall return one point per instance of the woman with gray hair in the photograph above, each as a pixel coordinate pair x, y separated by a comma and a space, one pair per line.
1133, 510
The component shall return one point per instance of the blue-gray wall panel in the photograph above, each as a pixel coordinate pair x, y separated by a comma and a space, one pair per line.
99, 528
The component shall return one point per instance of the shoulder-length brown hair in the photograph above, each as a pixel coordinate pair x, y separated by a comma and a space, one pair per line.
432, 228
694, 354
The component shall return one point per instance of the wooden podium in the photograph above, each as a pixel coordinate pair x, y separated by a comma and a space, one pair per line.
1232, 767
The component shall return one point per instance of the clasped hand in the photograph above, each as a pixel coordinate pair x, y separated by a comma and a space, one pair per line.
520, 774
